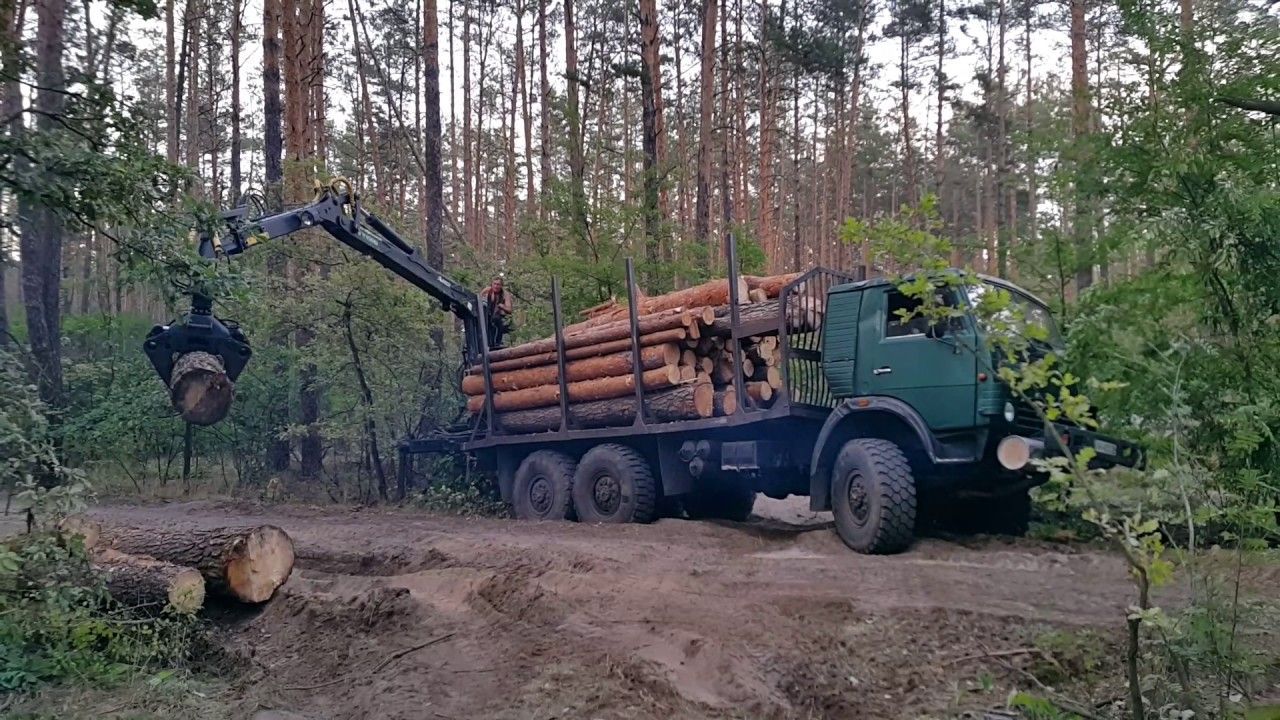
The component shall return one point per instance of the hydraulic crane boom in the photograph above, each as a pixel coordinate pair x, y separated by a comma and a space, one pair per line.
336, 209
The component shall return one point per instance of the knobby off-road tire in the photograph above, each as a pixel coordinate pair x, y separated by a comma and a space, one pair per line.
720, 500
614, 484
873, 495
543, 486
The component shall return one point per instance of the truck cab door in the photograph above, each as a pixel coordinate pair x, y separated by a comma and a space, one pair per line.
936, 376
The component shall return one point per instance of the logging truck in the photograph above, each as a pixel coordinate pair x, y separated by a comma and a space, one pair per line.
695, 401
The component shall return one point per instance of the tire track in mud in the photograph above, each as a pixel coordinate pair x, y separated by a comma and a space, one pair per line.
678, 619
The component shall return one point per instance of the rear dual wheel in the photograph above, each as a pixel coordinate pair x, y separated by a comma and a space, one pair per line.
614, 484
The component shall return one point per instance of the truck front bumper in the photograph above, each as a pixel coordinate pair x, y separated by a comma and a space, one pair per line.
1015, 451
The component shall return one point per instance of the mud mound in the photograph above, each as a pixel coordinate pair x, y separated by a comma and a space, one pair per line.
372, 563
382, 608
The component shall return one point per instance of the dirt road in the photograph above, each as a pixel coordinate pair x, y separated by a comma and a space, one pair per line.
400, 614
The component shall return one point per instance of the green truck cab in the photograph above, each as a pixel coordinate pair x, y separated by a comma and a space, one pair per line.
922, 431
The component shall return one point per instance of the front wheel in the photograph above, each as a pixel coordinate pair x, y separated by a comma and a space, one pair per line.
873, 496
614, 484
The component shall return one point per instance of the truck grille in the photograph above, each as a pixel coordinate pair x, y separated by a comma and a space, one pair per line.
1025, 419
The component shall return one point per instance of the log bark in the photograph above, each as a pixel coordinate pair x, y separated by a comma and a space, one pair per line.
586, 351
243, 563
714, 292
200, 389
771, 284
582, 391
142, 583
652, 357
686, 402
648, 323
804, 314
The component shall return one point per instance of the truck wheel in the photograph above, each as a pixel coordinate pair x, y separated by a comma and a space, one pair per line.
614, 484
873, 496
543, 486
720, 500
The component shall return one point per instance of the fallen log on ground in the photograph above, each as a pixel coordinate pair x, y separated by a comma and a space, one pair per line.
246, 564
686, 402
199, 388
581, 391
586, 369
142, 583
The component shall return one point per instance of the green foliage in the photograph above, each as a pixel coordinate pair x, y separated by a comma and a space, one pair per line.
57, 623
30, 466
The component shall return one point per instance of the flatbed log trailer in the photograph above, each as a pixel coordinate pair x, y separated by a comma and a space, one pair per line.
882, 423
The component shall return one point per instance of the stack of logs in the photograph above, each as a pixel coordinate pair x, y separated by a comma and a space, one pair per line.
154, 569
687, 362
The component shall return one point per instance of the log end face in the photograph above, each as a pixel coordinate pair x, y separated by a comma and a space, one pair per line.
260, 564
201, 392
186, 593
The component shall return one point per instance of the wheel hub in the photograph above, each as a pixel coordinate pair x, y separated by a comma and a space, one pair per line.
607, 493
540, 495
859, 502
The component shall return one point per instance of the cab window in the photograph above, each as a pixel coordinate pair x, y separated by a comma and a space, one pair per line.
898, 304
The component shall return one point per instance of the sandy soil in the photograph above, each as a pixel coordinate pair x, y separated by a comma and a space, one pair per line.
401, 614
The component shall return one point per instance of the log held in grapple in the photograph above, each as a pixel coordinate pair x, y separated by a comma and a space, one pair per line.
200, 389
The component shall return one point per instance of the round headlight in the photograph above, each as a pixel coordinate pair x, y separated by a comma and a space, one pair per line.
1009, 413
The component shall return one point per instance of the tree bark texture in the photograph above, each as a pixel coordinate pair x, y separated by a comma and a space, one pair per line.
804, 314
651, 357
616, 330
431, 142
581, 391
41, 226
706, 99
711, 293
586, 351
141, 583
686, 402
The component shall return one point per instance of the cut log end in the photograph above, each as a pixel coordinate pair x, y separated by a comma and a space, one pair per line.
259, 564
704, 396
147, 584
199, 388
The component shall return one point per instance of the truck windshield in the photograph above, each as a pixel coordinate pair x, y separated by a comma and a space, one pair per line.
1024, 311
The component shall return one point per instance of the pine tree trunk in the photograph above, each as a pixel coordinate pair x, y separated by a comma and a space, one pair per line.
237, 11
171, 103
765, 224
706, 97
42, 227
1081, 226
11, 15
431, 158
